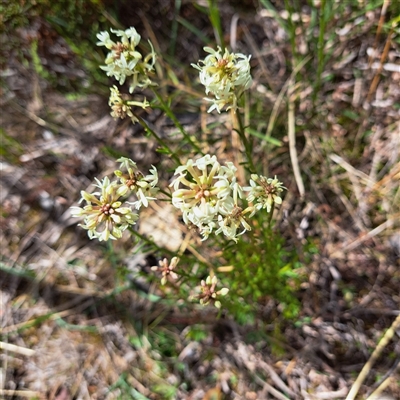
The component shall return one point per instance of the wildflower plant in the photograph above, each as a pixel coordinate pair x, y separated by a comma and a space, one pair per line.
206, 191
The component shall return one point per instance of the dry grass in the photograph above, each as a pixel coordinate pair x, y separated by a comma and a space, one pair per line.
72, 329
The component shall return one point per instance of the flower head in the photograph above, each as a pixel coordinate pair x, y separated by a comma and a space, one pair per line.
264, 192
203, 190
166, 268
209, 294
104, 216
225, 76
133, 181
124, 60
231, 222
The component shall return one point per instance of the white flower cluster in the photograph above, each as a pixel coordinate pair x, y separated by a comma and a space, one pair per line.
124, 60
265, 192
225, 76
134, 182
207, 193
104, 216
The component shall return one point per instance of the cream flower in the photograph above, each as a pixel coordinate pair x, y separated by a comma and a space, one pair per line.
231, 222
264, 192
207, 193
104, 216
124, 60
133, 181
225, 76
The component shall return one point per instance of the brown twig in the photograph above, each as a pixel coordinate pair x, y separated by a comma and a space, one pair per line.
376, 79
385, 6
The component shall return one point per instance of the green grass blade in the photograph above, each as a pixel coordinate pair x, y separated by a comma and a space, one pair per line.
205, 39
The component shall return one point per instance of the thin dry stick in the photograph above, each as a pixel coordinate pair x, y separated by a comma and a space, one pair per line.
338, 394
16, 349
279, 99
22, 393
351, 170
275, 377
376, 79
367, 367
233, 30
376, 231
292, 147
376, 395
385, 6
267, 387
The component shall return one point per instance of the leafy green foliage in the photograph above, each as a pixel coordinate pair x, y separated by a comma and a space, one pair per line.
263, 269
77, 22
10, 148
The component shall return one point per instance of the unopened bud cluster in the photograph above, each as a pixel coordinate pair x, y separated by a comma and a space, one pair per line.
209, 294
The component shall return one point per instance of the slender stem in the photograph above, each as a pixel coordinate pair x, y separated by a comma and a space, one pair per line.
246, 143
159, 140
169, 195
150, 241
320, 47
171, 115
292, 28
271, 213
216, 22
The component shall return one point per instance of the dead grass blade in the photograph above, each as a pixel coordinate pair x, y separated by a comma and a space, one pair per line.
385, 6
23, 393
279, 99
376, 231
16, 349
292, 145
377, 76
376, 395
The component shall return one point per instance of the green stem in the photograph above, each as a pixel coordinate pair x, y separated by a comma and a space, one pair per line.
169, 195
322, 26
159, 140
150, 242
245, 142
216, 23
292, 28
271, 213
171, 115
